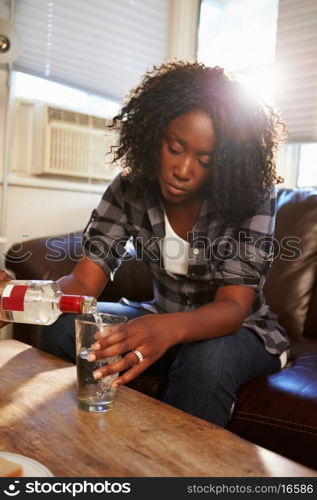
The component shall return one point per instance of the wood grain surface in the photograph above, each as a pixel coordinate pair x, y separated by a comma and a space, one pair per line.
138, 437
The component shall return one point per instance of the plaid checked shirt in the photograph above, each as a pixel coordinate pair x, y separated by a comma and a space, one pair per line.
218, 255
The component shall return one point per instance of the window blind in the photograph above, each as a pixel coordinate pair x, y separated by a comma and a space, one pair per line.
103, 46
296, 59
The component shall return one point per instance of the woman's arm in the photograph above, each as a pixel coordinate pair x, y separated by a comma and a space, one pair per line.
87, 278
224, 316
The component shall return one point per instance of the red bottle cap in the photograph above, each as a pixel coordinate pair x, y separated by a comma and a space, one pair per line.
71, 303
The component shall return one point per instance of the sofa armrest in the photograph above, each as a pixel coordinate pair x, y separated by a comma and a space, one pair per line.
46, 258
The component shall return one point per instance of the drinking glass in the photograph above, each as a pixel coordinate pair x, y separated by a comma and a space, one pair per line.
95, 395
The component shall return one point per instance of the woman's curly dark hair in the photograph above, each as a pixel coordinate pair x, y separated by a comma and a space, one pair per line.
248, 133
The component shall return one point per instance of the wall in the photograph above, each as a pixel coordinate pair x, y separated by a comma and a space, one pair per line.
5, 332
35, 212
2, 132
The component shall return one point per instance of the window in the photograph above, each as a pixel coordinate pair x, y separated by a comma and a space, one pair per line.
271, 45
32, 87
240, 36
307, 169
104, 46
81, 57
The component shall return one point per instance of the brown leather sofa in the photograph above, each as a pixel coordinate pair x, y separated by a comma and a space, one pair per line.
279, 411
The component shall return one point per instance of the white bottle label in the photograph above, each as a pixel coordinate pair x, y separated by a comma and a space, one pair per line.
12, 298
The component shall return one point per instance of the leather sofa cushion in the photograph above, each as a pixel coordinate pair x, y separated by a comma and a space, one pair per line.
46, 258
132, 280
279, 411
291, 281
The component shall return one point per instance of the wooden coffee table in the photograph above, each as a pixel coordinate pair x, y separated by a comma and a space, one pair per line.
139, 437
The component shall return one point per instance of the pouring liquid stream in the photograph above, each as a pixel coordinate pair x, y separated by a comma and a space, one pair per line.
98, 320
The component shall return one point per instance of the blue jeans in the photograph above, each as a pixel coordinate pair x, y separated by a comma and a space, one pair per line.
203, 376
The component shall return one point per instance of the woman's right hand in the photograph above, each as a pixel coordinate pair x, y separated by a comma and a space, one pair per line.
4, 279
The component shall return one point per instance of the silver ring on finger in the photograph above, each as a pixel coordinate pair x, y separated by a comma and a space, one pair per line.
139, 355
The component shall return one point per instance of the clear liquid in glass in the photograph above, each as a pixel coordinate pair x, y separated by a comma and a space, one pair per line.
94, 394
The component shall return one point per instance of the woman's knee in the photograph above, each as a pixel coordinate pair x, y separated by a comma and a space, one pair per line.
210, 361
201, 384
231, 360
121, 309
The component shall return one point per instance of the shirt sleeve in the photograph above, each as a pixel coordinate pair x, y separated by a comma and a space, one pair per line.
105, 236
244, 255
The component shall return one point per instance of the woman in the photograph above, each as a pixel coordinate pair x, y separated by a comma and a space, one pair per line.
196, 198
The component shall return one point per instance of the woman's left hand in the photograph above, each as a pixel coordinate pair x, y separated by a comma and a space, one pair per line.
152, 335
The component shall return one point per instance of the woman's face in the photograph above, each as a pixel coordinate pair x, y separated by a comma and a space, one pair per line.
186, 155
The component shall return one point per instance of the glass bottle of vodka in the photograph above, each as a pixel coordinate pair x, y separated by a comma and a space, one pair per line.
40, 302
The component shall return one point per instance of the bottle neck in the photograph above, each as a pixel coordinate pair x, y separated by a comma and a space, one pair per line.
77, 304
71, 303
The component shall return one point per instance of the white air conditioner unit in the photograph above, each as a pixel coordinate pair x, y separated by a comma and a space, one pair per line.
49, 140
